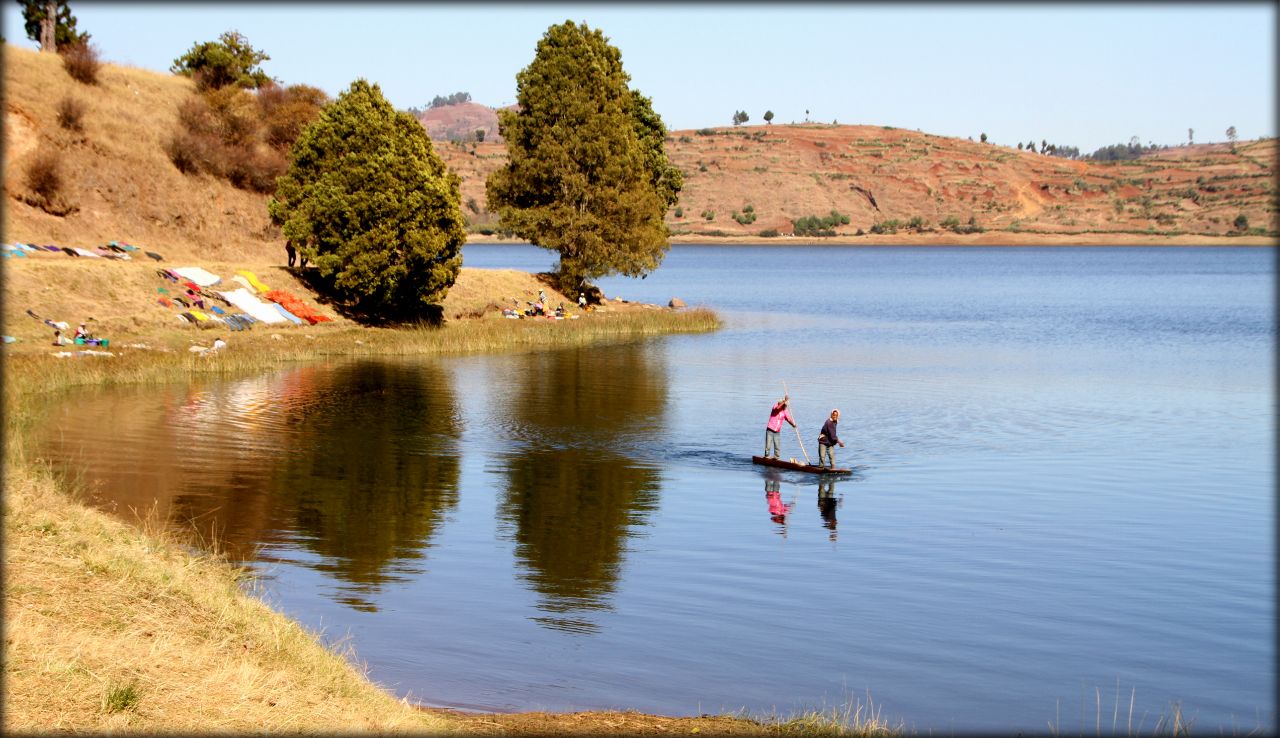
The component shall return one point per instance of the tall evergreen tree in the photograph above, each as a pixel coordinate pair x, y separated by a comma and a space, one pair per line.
586, 174
34, 14
370, 203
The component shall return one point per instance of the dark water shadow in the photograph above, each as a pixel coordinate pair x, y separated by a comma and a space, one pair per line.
580, 479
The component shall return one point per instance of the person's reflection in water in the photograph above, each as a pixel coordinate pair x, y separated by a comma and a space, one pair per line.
777, 509
827, 504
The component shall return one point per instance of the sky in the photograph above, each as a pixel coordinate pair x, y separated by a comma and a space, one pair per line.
1085, 75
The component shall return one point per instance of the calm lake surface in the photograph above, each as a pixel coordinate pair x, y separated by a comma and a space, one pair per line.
1063, 488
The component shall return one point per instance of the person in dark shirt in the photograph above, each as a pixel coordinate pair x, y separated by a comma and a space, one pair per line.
828, 439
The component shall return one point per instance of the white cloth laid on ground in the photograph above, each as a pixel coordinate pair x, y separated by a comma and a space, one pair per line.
200, 276
263, 311
241, 280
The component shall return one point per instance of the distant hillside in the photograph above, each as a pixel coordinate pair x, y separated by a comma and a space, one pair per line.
877, 176
119, 183
460, 122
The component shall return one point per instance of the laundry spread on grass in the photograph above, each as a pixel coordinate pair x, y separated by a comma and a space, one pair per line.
115, 250
188, 292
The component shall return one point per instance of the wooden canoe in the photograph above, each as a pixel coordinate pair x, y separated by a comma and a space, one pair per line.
783, 464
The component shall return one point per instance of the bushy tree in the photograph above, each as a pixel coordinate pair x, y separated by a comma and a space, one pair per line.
586, 174
370, 203
34, 13
768, 117
230, 60
983, 138
1231, 136
666, 178
740, 117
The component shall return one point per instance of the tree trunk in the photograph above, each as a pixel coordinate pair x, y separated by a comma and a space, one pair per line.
48, 26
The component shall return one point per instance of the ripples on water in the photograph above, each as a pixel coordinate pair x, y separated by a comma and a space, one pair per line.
1062, 479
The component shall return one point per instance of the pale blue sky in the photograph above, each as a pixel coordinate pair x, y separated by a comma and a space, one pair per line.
1084, 75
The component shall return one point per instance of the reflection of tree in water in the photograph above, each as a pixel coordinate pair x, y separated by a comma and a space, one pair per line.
574, 490
375, 469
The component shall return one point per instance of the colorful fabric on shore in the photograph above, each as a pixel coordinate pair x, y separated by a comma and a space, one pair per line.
199, 276
247, 302
296, 306
253, 280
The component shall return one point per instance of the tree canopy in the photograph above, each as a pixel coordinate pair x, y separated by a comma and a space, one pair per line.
586, 175
65, 33
370, 203
228, 61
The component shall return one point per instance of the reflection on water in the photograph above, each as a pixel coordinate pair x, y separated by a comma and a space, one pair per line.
357, 463
828, 502
378, 473
575, 490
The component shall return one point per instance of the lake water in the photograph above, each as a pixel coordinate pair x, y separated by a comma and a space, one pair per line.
1063, 492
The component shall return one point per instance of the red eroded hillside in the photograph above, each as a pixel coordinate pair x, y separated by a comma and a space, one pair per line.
889, 178
460, 122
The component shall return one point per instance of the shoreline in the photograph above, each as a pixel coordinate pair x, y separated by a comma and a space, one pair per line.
990, 238
119, 625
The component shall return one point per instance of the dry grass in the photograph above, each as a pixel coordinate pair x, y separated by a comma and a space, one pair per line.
127, 187
111, 628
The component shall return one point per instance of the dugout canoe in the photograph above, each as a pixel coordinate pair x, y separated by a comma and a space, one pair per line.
797, 466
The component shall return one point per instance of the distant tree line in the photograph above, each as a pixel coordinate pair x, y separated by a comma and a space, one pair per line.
456, 98
1124, 152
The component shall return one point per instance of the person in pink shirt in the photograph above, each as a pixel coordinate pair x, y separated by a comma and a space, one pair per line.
781, 411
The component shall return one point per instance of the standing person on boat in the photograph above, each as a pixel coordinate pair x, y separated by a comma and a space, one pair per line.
828, 439
781, 411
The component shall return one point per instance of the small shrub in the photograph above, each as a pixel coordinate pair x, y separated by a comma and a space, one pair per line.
1241, 222
71, 114
679, 212
916, 223
44, 176
182, 149
81, 62
860, 232
769, 233
287, 110
950, 222
120, 698
706, 131
709, 214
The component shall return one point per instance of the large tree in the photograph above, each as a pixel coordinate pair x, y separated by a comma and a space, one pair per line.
586, 175
370, 203
35, 14
230, 60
